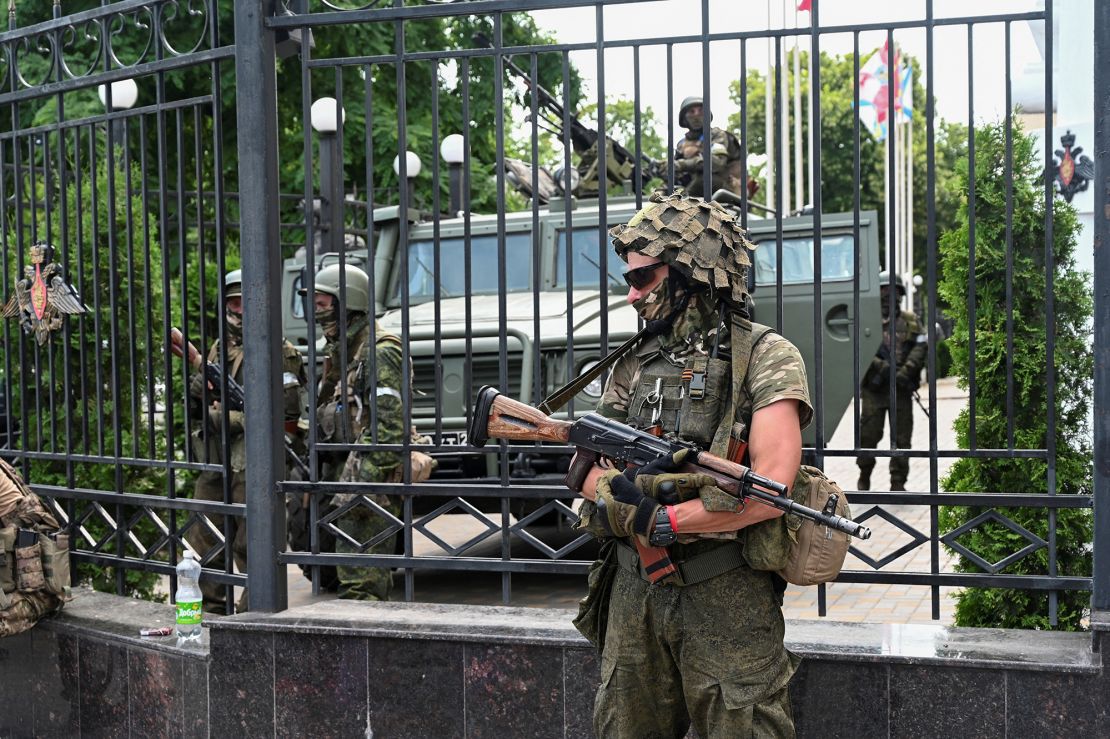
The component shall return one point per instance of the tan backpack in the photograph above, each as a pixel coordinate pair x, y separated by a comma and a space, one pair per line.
34, 556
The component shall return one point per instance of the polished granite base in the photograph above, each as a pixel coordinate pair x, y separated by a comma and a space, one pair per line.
338, 668
87, 672
405, 669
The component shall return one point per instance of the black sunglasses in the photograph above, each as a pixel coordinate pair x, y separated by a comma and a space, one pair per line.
641, 277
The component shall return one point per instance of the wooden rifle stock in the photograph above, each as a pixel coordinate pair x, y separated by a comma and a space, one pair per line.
498, 417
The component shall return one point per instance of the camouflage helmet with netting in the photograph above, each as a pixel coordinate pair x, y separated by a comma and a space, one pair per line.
700, 239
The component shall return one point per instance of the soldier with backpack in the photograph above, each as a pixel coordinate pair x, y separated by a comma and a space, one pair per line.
707, 647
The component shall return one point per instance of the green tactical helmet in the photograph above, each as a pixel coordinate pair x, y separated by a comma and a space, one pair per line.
233, 284
688, 103
884, 281
358, 286
700, 239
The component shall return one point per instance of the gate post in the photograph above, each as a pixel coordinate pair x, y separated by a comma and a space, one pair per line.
1100, 599
256, 99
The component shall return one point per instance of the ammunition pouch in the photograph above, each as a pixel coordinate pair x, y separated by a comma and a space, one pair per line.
342, 422
593, 610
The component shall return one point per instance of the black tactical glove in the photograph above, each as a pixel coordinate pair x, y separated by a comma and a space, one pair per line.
905, 379
625, 510
657, 479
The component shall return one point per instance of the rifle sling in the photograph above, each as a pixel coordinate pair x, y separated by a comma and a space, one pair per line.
560, 397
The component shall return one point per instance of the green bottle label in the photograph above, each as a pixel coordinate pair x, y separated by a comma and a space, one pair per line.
188, 612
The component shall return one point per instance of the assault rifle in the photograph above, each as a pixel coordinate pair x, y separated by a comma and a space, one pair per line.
214, 374
582, 137
595, 437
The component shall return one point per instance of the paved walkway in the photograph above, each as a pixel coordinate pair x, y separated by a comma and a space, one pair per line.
845, 601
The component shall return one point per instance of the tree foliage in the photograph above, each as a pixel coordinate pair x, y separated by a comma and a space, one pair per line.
100, 390
1030, 410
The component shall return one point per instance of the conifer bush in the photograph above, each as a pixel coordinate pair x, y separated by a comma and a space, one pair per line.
1012, 608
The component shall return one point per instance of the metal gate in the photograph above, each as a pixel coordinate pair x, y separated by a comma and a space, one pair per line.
148, 208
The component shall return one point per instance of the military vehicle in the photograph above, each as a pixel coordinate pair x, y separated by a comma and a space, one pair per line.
554, 331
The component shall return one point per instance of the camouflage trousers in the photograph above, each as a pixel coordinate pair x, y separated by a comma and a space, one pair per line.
210, 487
874, 410
363, 524
710, 653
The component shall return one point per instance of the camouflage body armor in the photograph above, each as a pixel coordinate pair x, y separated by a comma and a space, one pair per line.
724, 149
34, 556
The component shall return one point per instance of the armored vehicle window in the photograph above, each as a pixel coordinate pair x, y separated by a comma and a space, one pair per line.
586, 264
452, 276
837, 255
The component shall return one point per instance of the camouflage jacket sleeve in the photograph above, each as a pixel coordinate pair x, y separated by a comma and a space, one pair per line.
293, 380
618, 391
777, 372
915, 340
723, 149
385, 397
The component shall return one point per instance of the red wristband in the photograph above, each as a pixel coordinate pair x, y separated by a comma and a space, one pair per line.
673, 518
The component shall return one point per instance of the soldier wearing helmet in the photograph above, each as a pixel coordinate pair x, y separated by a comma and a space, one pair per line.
206, 442
689, 156
901, 354
359, 403
709, 376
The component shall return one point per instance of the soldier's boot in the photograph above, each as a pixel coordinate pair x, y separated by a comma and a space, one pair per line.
864, 481
897, 486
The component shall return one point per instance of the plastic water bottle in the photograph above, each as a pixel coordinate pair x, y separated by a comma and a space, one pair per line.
188, 598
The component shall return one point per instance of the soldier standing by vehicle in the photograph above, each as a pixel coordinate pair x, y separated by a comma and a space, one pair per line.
708, 647
353, 396
724, 149
904, 344
207, 442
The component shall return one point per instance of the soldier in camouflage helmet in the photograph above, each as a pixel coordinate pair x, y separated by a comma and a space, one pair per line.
206, 442
904, 345
724, 149
360, 387
705, 647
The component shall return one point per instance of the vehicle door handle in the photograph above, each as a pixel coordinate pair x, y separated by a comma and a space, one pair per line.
838, 322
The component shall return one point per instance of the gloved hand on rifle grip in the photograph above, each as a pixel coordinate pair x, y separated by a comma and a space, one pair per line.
905, 380
196, 386
658, 479
627, 511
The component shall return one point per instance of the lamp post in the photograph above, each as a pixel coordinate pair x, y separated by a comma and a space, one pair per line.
124, 93
326, 117
452, 152
413, 166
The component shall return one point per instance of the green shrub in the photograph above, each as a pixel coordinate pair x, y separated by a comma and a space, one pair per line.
1073, 372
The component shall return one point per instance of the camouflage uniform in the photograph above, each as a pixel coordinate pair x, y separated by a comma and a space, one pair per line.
207, 446
909, 352
725, 149
349, 422
709, 653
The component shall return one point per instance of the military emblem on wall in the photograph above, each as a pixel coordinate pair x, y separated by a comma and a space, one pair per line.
1074, 169
43, 298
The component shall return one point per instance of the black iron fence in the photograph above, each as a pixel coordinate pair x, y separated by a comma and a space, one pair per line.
483, 284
